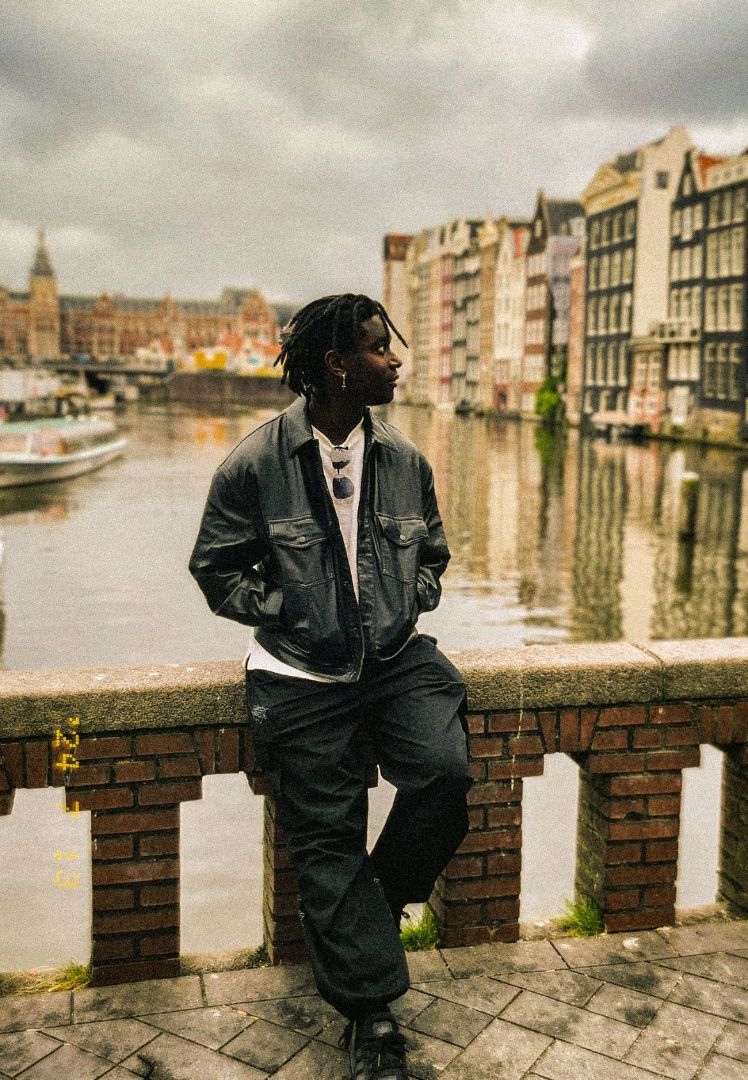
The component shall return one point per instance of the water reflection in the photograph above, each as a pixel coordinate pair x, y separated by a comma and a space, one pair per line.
553, 538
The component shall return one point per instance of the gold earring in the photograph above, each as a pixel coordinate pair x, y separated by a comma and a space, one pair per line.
343, 385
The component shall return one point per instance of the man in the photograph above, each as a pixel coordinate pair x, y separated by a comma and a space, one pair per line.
322, 530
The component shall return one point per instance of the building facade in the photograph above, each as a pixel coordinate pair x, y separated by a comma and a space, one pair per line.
511, 275
627, 205
555, 237
41, 324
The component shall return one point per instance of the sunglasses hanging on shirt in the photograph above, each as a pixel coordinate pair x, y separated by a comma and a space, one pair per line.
342, 486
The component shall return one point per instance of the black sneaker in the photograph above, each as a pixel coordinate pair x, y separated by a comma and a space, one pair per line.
377, 1048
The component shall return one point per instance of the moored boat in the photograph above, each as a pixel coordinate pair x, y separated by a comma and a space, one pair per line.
37, 451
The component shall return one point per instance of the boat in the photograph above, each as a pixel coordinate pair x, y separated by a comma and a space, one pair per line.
38, 451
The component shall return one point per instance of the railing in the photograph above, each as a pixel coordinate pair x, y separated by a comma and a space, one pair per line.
131, 744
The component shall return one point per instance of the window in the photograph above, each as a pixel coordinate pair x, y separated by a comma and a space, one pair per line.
593, 272
592, 317
724, 252
685, 303
710, 370
662, 178
629, 222
711, 255
615, 312
694, 362
722, 380
588, 364
615, 268
736, 307
714, 209
696, 305
733, 379
726, 205
698, 216
604, 271
595, 233
675, 304
618, 226
628, 265
626, 311
622, 379
696, 261
674, 264
738, 204
606, 230
687, 222
723, 308
676, 223
603, 315
738, 249
710, 315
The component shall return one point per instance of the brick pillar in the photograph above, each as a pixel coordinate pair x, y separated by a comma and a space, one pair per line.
476, 899
733, 868
629, 812
133, 785
284, 938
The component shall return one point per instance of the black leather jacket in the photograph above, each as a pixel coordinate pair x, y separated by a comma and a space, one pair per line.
270, 553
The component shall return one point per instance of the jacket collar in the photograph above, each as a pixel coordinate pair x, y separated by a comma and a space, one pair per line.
299, 428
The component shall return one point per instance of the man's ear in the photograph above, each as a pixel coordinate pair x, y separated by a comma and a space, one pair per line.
334, 363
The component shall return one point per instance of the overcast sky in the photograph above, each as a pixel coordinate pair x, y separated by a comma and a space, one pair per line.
184, 145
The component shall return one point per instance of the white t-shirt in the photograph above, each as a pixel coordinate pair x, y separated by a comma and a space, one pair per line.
343, 466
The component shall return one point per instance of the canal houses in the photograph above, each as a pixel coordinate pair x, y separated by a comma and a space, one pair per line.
627, 205
555, 236
509, 337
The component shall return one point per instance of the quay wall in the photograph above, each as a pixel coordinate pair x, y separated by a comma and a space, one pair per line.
632, 717
217, 389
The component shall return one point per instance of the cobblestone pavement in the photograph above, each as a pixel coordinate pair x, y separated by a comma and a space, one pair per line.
666, 1003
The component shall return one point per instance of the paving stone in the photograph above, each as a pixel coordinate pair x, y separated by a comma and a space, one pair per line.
20, 1049
175, 1058
258, 984
316, 1061
722, 1068
68, 1062
676, 1042
733, 1041
427, 1057
501, 1052
628, 1006
407, 1007
563, 985
706, 937
451, 1022
564, 1062
562, 1021
710, 997
488, 995
723, 967
137, 998
613, 949
308, 1014
20, 1011
266, 1046
646, 978
120, 1073
112, 1039
502, 958
427, 964
211, 1027
136, 1066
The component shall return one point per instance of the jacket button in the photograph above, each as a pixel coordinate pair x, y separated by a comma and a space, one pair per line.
302, 539
402, 536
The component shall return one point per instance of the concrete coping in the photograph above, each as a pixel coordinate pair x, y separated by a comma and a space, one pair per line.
121, 699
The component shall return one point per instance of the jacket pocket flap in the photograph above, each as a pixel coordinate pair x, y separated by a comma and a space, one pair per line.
403, 531
296, 532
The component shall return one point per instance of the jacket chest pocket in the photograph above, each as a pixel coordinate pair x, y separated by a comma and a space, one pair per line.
401, 545
300, 552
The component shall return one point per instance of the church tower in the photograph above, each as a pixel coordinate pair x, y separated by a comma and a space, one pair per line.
44, 306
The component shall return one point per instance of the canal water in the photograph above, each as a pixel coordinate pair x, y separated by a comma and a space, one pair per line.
553, 539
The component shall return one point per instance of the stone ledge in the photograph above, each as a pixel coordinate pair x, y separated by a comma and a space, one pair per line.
110, 699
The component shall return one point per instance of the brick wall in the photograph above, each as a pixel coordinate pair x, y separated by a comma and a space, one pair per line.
632, 720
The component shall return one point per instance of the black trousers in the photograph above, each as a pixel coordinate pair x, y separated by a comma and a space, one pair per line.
305, 735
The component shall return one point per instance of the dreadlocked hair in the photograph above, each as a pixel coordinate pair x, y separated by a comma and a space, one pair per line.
331, 323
